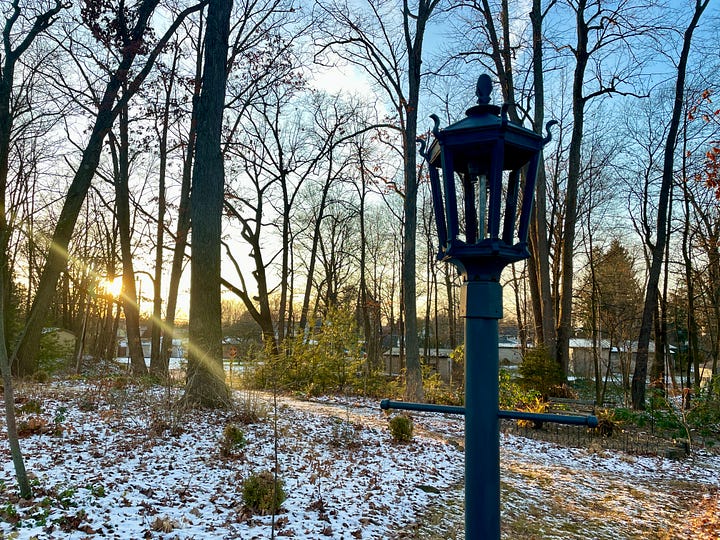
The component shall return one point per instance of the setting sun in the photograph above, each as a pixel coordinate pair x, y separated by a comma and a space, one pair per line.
113, 287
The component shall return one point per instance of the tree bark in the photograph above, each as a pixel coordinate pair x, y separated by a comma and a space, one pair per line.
182, 230
564, 330
539, 264
206, 376
128, 297
157, 367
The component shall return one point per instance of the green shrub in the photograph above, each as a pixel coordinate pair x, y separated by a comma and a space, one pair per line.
539, 371
31, 406
537, 406
639, 418
250, 408
562, 391
458, 365
664, 415
233, 439
54, 355
401, 428
328, 361
512, 395
438, 391
262, 494
705, 416
607, 423
345, 434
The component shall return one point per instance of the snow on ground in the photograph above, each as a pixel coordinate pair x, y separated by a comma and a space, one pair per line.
125, 462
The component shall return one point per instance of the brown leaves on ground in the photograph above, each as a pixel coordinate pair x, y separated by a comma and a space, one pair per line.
705, 524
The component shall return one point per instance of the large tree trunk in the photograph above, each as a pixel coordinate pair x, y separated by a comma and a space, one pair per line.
206, 376
639, 379
414, 384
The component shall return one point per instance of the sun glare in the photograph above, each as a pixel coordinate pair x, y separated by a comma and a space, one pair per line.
113, 287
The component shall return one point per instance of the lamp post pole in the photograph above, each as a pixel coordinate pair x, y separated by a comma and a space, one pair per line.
482, 306
483, 217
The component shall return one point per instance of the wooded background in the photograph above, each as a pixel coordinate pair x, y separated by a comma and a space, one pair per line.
295, 162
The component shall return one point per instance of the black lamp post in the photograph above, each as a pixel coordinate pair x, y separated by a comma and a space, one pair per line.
477, 233
482, 207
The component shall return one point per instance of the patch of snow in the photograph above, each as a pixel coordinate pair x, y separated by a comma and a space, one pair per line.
120, 478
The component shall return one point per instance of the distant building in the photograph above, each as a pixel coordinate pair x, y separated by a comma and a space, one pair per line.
438, 360
621, 358
510, 352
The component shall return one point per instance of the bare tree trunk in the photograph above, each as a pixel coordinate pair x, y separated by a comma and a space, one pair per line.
206, 376
367, 303
304, 313
156, 366
693, 349
182, 230
539, 268
658, 373
574, 163
9, 397
651, 294
128, 297
414, 384
452, 321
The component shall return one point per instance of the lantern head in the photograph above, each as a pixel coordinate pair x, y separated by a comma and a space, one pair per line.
481, 200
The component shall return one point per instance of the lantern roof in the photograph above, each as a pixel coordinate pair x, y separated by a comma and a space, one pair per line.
473, 137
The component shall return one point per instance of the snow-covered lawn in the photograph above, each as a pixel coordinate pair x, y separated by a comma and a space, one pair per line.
116, 461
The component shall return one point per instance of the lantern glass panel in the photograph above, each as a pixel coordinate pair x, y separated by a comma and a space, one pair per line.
472, 207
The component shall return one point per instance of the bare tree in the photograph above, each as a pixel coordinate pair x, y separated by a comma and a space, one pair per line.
287, 142
182, 227
369, 40
134, 41
503, 56
639, 380
129, 299
600, 29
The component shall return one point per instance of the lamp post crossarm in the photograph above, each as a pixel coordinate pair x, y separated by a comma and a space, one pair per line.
567, 419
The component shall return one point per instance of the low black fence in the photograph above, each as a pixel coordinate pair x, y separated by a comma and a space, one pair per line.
631, 442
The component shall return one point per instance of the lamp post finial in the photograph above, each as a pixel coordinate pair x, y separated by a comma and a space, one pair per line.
483, 89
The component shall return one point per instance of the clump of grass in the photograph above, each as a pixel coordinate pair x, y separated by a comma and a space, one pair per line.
233, 440
262, 493
250, 408
41, 376
31, 406
538, 406
345, 434
607, 424
401, 428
